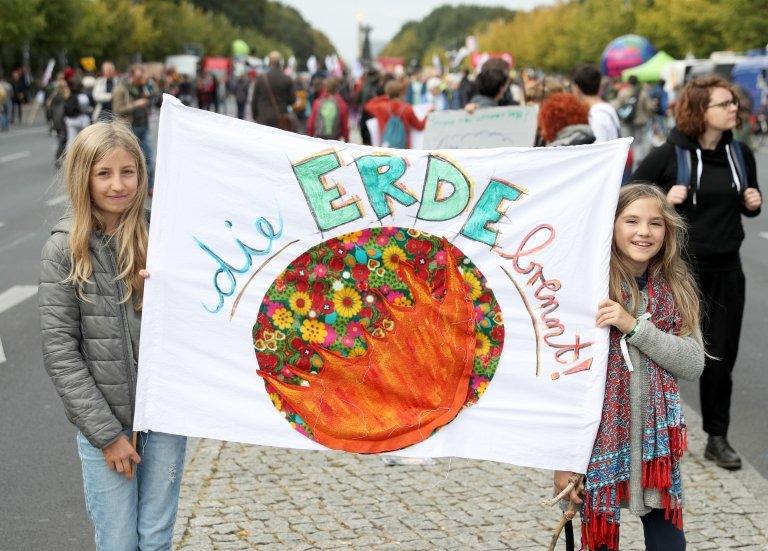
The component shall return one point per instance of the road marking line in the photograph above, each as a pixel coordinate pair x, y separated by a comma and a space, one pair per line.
16, 294
23, 132
14, 157
764, 234
2, 224
56, 201
18, 241
2, 352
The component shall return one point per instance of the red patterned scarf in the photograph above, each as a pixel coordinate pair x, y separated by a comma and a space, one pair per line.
664, 434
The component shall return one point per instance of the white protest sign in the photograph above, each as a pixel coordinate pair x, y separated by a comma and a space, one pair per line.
490, 127
323, 295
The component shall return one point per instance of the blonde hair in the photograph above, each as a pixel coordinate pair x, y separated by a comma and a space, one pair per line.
668, 262
90, 147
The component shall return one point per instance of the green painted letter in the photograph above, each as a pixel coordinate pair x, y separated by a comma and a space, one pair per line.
311, 176
379, 174
440, 172
487, 211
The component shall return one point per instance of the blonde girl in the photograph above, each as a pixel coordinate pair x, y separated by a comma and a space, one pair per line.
653, 315
90, 294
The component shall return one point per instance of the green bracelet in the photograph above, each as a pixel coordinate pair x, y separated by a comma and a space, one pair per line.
634, 330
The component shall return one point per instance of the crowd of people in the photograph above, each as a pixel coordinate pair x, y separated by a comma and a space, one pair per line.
276, 97
674, 310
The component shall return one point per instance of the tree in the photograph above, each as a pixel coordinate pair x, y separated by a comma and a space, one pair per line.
445, 28
279, 24
21, 21
116, 30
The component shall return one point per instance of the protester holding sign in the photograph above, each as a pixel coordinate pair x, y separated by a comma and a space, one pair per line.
491, 86
90, 295
712, 181
636, 457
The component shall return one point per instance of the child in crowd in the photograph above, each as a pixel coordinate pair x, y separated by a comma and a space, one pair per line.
91, 288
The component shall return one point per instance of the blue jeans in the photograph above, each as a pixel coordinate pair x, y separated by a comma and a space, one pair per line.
134, 514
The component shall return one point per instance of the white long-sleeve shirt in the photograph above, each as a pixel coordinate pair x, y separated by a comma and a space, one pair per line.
604, 122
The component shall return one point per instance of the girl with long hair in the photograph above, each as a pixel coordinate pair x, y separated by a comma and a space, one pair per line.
653, 315
711, 180
90, 295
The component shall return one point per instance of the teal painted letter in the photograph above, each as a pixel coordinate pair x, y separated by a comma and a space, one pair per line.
486, 212
310, 175
379, 174
439, 173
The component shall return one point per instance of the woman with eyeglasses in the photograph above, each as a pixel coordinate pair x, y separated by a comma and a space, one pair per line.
712, 181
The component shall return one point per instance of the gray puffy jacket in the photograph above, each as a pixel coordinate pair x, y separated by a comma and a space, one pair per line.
86, 345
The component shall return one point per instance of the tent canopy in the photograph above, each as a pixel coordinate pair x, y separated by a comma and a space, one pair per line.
650, 71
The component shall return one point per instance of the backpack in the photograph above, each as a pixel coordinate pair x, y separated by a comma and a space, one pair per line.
394, 135
329, 119
628, 109
72, 107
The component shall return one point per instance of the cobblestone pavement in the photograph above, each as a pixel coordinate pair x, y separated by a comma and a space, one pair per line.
237, 496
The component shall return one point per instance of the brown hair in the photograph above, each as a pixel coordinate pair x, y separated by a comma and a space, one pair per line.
667, 262
394, 88
331, 85
693, 103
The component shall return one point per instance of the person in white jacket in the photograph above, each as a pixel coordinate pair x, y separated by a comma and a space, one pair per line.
102, 91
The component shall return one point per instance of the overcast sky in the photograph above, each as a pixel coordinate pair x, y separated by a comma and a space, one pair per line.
337, 18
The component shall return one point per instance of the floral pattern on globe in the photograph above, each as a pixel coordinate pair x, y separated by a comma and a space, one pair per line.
331, 298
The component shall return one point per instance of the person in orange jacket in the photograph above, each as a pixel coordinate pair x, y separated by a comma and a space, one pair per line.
392, 102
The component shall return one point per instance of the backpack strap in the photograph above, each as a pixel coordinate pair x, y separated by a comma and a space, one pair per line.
741, 165
683, 166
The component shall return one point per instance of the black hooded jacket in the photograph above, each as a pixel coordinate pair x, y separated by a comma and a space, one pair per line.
714, 221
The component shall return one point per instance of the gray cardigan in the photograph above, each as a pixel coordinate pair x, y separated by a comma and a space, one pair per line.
683, 357
86, 343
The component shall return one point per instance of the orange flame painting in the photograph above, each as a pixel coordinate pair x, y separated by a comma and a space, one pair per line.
406, 378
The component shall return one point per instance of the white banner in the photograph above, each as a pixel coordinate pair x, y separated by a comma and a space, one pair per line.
490, 127
314, 294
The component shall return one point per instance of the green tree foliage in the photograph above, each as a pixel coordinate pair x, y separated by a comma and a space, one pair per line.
20, 22
556, 37
444, 28
127, 30
276, 22
248, 13
116, 30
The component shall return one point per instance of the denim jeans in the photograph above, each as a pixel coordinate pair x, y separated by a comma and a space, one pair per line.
134, 514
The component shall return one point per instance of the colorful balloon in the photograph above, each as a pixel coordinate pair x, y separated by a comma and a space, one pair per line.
625, 52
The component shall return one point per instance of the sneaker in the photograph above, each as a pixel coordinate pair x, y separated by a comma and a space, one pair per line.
720, 451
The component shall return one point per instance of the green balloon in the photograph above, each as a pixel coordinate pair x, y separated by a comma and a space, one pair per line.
239, 47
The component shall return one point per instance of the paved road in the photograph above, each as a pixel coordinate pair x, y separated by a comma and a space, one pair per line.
41, 505
236, 496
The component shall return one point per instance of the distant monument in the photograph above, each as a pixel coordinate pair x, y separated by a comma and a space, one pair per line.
364, 41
